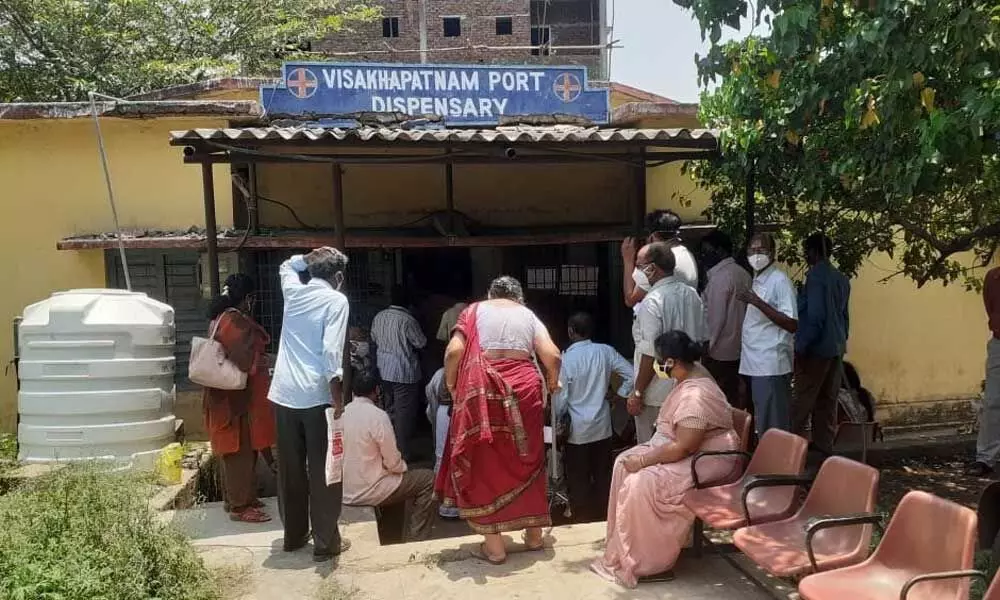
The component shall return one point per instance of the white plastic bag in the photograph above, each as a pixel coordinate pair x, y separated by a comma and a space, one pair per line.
335, 448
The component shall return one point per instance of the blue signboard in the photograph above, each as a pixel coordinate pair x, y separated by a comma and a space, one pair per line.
459, 94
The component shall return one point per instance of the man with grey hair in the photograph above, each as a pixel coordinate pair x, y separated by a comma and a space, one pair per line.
671, 304
307, 380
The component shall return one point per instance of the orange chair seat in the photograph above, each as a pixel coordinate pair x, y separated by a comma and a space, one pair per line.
864, 582
780, 547
721, 507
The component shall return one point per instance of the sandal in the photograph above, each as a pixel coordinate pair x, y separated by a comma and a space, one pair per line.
480, 553
250, 515
532, 547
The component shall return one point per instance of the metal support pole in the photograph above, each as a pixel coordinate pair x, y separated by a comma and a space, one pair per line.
338, 208
449, 195
639, 207
749, 200
211, 230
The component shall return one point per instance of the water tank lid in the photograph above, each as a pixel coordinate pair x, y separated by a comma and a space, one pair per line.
101, 291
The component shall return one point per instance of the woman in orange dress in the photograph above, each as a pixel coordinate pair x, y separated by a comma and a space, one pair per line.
240, 423
493, 467
647, 522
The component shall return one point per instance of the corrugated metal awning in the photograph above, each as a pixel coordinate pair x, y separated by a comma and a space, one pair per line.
558, 134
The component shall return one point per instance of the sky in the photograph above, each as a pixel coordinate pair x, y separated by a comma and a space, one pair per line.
660, 40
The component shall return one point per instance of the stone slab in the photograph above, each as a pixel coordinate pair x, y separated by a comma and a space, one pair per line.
439, 569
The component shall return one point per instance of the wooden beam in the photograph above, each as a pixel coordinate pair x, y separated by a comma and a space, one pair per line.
211, 230
449, 195
639, 198
339, 229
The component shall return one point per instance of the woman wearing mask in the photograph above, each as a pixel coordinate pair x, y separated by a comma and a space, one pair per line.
647, 523
240, 423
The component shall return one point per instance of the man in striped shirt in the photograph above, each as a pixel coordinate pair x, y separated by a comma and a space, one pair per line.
398, 337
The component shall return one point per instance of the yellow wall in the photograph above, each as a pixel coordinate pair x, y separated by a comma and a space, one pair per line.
501, 195
53, 187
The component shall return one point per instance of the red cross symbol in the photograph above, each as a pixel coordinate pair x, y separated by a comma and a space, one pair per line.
566, 87
302, 83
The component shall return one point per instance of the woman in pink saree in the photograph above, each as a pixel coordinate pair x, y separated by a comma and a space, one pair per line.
647, 523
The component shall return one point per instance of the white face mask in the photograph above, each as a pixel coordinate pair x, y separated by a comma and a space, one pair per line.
641, 279
759, 262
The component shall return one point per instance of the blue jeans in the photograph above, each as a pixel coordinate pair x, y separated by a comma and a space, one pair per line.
771, 402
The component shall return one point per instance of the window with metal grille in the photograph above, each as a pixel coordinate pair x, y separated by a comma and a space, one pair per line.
578, 280
170, 276
505, 25
390, 27
369, 278
541, 35
452, 26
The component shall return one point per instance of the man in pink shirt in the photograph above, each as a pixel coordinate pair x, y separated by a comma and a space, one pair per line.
375, 473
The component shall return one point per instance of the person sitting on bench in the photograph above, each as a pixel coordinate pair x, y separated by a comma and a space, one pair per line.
375, 473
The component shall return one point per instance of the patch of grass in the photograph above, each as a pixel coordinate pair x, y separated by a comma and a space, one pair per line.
8, 452
83, 532
986, 564
229, 582
331, 589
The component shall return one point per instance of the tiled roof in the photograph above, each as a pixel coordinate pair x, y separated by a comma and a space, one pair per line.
703, 138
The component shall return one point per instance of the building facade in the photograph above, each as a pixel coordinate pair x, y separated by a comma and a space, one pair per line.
479, 32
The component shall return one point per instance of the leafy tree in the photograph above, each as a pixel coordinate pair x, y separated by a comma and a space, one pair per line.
873, 120
59, 50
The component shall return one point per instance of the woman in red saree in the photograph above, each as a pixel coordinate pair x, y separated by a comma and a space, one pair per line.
493, 467
240, 423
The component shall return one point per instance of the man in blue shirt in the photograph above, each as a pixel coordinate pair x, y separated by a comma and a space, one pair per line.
586, 375
820, 344
307, 381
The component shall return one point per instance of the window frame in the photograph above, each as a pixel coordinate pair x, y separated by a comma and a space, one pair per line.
445, 20
509, 21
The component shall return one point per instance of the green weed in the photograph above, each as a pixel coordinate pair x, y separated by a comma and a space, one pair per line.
85, 533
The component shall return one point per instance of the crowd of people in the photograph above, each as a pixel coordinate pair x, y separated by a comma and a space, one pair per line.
738, 340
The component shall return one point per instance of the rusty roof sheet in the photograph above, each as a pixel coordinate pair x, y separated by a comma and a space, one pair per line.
556, 134
136, 110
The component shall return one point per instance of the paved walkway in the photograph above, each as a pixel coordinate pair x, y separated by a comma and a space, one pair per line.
435, 570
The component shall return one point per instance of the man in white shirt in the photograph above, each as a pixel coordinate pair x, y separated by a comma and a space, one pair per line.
398, 337
768, 337
375, 473
670, 305
585, 375
662, 226
307, 380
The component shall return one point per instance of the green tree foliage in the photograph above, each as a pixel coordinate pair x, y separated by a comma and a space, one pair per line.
873, 120
59, 50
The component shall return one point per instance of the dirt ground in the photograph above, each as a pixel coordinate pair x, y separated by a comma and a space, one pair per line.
940, 476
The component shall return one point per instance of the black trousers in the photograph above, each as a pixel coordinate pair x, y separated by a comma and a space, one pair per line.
404, 410
588, 479
303, 495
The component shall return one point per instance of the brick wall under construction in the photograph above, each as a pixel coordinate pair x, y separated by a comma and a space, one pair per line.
488, 32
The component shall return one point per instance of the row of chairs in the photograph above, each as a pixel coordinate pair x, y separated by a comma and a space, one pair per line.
926, 551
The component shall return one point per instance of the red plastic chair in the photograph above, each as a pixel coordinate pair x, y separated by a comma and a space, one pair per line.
832, 529
743, 423
779, 456
927, 554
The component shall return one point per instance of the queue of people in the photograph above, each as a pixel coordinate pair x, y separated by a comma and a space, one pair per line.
737, 343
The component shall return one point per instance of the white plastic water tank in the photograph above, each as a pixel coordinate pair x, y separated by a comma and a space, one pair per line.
97, 377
